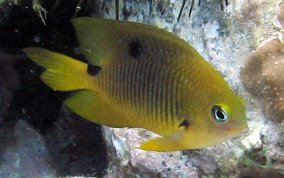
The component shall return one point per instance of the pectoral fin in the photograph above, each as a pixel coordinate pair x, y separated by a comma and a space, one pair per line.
162, 144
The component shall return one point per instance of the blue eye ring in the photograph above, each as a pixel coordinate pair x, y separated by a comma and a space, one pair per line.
219, 114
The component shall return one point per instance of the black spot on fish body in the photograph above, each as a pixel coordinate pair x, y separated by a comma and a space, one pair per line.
184, 123
93, 69
135, 49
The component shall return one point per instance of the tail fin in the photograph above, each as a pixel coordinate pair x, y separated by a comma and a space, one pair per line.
62, 72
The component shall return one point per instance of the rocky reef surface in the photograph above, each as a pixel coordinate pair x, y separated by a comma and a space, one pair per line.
41, 138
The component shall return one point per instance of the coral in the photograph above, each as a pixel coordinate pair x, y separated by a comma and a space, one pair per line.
280, 14
263, 76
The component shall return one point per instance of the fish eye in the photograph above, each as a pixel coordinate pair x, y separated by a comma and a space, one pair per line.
219, 114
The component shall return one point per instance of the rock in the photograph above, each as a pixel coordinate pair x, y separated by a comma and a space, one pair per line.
9, 82
263, 76
132, 161
23, 152
259, 173
76, 146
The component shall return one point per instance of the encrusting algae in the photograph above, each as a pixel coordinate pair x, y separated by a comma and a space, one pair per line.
143, 77
263, 76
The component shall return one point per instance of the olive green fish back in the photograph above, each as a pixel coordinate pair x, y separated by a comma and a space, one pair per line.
102, 40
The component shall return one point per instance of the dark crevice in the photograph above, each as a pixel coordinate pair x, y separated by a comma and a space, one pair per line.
39, 105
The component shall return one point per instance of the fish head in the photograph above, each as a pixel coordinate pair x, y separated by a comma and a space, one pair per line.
215, 121
228, 118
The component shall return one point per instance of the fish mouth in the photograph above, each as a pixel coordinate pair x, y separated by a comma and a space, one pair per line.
239, 131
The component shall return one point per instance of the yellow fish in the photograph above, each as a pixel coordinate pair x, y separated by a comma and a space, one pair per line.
140, 76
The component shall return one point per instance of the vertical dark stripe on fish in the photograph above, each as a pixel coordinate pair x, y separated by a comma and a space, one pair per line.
123, 72
179, 92
163, 99
153, 93
159, 91
117, 85
148, 90
138, 83
110, 81
123, 80
142, 87
113, 82
107, 81
171, 96
133, 75
134, 86
127, 79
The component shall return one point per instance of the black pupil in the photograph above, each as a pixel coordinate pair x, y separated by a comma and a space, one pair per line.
220, 114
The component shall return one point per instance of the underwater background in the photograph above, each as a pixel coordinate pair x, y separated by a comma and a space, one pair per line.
41, 137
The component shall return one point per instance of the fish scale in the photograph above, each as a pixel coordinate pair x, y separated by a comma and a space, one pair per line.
160, 99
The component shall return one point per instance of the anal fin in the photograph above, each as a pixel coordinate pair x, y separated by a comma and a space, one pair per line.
95, 108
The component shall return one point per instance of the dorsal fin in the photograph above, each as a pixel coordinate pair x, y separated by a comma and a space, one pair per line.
102, 40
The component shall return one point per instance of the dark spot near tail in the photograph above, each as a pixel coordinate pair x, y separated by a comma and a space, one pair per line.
93, 69
184, 123
135, 49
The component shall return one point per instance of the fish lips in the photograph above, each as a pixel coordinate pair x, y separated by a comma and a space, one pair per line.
238, 131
